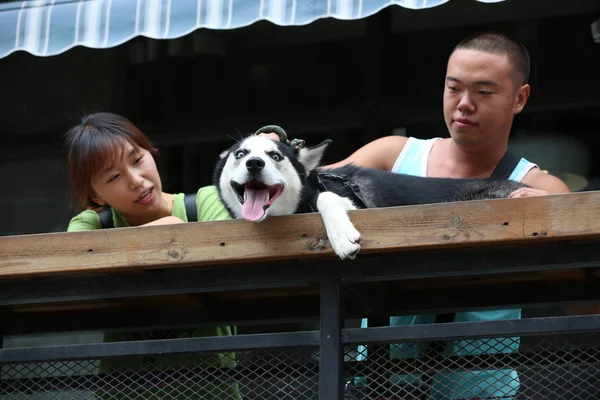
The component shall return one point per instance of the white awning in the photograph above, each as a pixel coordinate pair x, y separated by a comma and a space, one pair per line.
50, 27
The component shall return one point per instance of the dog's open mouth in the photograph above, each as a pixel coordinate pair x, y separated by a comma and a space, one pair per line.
256, 197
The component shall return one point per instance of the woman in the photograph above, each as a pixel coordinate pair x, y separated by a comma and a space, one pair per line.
111, 166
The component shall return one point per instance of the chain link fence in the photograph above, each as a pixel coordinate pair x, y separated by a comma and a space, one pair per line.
264, 375
537, 368
561, 367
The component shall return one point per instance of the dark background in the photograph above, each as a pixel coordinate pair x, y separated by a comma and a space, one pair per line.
351, 81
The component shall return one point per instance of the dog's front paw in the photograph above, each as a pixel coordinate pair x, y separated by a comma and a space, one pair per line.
345, 242
343, 236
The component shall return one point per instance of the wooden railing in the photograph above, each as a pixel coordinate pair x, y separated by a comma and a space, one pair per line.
538, 220
430, 258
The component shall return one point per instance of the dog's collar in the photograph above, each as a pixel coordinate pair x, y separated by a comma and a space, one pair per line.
357, 197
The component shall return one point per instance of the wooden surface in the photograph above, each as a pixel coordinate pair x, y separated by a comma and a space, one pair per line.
539, 219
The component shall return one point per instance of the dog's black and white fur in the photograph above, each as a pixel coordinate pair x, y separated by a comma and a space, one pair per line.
259, 177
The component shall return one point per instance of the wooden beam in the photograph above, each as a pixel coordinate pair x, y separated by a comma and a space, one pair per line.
435, 226
163, 312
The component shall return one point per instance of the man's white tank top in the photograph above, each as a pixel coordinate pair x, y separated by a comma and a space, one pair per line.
414, 157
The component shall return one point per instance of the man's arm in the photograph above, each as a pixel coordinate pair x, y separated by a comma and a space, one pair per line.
542, 184
378, 154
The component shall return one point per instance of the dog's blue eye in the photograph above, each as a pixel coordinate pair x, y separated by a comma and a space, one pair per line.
276, 157
239, 154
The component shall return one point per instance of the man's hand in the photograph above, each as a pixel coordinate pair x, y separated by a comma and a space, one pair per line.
527, 192
297, 143
270, 135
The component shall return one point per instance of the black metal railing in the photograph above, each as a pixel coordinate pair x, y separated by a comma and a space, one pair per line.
538, 358
530, 358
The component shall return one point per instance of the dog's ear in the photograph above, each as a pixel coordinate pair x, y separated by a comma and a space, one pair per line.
311, 157
223, 154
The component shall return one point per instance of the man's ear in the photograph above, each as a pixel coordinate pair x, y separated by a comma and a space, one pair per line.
521, 99
311, 157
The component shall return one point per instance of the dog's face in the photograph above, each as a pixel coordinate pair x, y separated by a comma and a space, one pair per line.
258, 177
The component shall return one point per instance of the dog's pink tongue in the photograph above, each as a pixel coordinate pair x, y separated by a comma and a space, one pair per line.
253, 209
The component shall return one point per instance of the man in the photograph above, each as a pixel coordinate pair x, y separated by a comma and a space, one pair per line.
485, 87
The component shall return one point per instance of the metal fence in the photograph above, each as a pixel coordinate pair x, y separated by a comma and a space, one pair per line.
264, 374
549, 367
556, 357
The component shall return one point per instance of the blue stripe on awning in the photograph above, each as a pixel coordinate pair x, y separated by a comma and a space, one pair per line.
50, 27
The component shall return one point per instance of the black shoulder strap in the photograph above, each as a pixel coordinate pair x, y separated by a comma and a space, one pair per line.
106, 220
506, 166
190, 207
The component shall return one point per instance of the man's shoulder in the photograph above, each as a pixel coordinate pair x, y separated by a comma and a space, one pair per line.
383, 152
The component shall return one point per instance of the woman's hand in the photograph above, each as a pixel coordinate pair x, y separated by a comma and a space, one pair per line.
166, 221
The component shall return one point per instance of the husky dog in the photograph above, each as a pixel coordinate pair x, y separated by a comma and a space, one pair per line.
259, 177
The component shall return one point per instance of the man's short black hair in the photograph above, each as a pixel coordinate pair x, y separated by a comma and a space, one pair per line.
499, 43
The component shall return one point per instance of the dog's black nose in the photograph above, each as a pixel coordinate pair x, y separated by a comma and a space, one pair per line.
255, 164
